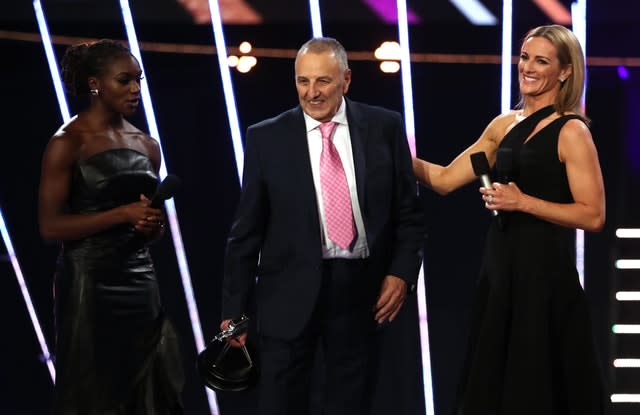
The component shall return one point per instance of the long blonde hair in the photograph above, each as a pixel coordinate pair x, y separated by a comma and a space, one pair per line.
569, 53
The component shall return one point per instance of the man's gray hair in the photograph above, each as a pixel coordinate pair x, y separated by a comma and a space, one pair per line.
326, 44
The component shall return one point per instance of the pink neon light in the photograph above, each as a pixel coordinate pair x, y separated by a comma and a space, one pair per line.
555, 10
387, 10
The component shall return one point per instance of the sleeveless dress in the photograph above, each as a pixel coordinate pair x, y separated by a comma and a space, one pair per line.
531, 347
116, 353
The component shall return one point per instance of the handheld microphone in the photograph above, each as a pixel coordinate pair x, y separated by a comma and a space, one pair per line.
481, 169
165, 190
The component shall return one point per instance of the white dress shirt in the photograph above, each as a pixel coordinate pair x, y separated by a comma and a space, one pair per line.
342, 142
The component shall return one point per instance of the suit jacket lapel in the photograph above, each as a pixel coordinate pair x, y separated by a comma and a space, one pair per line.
358, 128
302, 166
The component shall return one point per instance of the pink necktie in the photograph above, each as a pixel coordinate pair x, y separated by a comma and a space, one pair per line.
335, 191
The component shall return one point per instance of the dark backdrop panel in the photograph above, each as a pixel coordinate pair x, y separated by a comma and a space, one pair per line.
27, 108
446, 124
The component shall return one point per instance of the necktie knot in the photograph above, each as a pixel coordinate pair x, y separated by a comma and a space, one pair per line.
326, 129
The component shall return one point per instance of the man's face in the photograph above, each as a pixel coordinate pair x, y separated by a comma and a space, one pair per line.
321, 83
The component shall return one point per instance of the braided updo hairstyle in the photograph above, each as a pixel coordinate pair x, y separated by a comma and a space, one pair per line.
84, 60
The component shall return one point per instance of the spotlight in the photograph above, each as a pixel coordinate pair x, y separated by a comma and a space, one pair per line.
245, 47
389, 66
245, 63
389, 53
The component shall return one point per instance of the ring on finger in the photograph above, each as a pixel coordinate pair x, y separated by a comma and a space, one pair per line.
490, 199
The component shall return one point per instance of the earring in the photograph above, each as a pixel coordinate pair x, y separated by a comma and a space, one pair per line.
561, 79
94, 92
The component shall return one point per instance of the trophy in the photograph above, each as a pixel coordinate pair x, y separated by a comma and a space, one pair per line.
227, 368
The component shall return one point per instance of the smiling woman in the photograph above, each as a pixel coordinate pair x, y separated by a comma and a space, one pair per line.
115, 350
531, 334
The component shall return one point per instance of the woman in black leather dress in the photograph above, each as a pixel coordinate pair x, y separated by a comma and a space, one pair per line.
531, 348
115, 351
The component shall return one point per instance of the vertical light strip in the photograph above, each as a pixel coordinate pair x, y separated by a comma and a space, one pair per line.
27, 298
475, 12
51, 59
227, 86
169, 204
316, 20
507, 29
405, 71
407, 95
64, 112
579, 23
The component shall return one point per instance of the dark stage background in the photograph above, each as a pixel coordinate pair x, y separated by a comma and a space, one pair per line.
453, 103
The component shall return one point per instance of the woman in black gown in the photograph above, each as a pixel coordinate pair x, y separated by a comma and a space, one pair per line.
531, 348
115, 351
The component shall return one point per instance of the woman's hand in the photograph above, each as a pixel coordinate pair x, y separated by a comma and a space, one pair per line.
507, 197
145, 219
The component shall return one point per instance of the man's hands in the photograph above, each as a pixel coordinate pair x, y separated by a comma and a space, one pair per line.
238, 341
392, 294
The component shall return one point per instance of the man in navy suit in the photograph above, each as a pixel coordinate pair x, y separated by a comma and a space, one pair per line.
318, 283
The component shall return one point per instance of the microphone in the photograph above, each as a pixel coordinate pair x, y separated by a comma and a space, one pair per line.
165, 190
481, 169
504, 165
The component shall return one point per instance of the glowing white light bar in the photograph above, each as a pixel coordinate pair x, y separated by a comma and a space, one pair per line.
64, 111
27, 298
316, 20
507, 28
580, 255
51, 59
625, 398
424, 344
405, 71
578, 20
626, 363
475, 12
628, 296
628, 233
407, 95
227, 85
626, 328
172, 215
579, 23
628, 264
